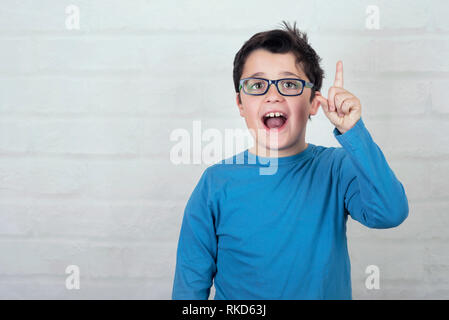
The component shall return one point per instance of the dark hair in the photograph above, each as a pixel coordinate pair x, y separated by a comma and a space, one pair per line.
282, 41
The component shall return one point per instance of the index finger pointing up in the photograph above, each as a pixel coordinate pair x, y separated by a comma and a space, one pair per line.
339, 75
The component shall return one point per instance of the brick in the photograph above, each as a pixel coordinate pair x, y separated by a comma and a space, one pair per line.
358, 54
383, 56
37, 287
38, 177
156, 55
438, 18
128, 288
414, 137
392, 97
396, 260
118, 96
41, 257
414, 17
28, 16
159, 132
153, 260
144, 16
439, 95
417, 54
141, 180
21, 142
436, 262
91, 54
218, 95
40, 287
390, 290
96, 221
117, 17
15, 219
73, 136
439, 188
95, 260
18, 55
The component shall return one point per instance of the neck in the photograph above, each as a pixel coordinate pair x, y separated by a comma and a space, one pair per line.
284, 152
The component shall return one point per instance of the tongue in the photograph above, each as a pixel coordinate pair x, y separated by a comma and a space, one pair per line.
275, 122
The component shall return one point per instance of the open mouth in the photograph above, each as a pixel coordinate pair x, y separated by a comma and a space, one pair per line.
274, 121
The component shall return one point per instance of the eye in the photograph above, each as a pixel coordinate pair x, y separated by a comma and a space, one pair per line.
290, 84
257, 85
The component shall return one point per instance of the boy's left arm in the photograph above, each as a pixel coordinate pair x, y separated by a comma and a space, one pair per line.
373, 194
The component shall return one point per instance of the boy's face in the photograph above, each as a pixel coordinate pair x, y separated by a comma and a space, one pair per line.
290, 138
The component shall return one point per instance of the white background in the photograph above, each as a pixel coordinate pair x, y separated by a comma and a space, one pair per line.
85, 119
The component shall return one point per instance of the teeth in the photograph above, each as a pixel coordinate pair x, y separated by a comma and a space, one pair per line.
274, 114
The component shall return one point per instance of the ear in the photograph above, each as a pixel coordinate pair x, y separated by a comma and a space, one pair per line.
315, 105
239, 104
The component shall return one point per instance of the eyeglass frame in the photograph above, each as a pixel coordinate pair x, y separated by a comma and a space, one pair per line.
305, 84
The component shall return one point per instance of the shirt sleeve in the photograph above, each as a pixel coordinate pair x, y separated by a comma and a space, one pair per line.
197, 246
372, 193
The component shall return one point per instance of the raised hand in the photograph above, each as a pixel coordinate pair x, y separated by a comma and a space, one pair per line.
342, 108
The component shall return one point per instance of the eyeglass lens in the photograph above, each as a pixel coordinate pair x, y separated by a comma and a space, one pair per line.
286, 86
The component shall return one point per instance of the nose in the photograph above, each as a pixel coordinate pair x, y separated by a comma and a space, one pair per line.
273, 93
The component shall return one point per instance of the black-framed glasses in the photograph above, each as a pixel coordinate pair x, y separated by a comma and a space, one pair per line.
260, 86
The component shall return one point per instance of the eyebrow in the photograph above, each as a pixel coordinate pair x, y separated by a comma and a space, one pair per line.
286, 73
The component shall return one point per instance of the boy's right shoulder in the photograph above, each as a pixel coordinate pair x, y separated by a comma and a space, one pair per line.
226, 165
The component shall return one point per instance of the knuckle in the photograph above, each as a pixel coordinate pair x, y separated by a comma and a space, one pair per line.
338, 98
347, 104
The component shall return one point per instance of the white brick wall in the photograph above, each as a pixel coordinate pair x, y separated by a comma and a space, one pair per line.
85, 119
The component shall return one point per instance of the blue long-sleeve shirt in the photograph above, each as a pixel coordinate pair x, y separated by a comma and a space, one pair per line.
283, 235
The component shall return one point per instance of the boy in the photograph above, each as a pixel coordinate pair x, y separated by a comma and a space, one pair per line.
283, 236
